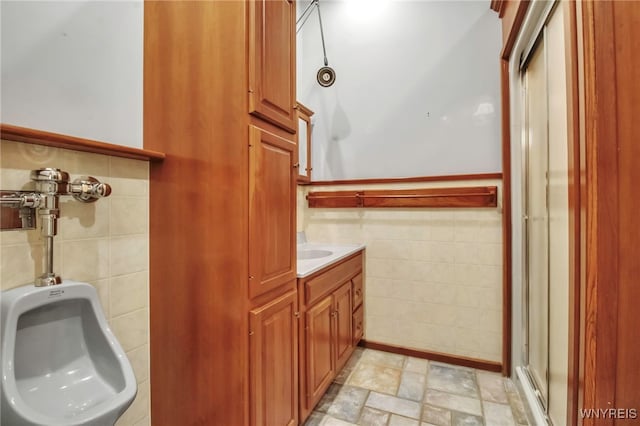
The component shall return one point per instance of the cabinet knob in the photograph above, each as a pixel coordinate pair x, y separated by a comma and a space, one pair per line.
296, 314
295, 166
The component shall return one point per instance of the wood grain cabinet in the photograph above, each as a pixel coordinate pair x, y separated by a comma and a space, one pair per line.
272, 211
328, 334
272, 62
305, 130
274, 362
223, 304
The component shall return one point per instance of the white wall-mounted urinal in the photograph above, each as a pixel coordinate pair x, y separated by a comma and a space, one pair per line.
61, 364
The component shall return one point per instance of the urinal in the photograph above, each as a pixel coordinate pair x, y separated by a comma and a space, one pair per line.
61, 364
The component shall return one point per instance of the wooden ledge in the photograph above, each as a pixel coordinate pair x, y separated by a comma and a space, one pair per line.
41, 137
443, 178
478, 196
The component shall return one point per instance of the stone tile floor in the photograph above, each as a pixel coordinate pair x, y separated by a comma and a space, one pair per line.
381, 388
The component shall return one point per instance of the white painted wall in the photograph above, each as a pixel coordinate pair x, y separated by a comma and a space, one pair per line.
416, 93
74, 68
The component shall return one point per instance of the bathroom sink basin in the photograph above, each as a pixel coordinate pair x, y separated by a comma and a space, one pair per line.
313, 254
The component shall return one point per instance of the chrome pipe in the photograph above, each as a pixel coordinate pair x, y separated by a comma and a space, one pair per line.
18, 200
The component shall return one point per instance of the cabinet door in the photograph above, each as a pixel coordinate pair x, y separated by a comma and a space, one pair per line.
272, 60
304, 142
272, 212
274, 362
320, 367
343, 315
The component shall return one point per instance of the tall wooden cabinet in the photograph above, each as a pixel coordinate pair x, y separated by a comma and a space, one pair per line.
219, 96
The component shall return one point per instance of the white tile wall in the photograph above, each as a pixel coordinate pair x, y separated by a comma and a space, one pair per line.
103, 243
433, 276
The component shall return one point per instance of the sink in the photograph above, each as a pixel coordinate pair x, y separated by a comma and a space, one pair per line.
313, 254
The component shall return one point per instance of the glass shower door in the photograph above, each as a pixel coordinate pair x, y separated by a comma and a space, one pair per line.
536, 222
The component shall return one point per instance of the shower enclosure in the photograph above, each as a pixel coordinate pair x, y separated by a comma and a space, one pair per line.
545, 218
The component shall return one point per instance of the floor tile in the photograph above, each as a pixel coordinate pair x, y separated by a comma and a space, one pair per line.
402, 421
328, 397
383, 358
464, 419
373, 417
498, 414
453, 380
394, 405
315, 419
412, 386
453, 402
385, 389
348, 403
351, 364
375, 377
517, 406
436, 415
416, 365
492, 387
332, 421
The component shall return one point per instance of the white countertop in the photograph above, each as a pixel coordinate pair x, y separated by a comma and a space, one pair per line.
307, 267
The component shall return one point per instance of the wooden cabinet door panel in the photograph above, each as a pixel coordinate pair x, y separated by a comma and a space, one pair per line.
274, 362
272, 212
320, 367
272, 60
343, 315
358, 294
358, 325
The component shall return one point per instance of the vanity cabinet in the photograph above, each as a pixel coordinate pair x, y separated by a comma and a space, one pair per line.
328, 333
272, 62
273, 329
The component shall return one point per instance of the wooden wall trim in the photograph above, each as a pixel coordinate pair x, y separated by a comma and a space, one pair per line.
513, 28
506, 219
304, 109
444, 178
41, 137
602, 203
479, 364
575, 171
498, 6
479, 196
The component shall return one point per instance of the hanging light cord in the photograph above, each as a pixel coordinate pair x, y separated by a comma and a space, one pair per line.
324, 50
305, 15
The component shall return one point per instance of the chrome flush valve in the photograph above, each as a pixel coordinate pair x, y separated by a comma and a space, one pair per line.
50, 185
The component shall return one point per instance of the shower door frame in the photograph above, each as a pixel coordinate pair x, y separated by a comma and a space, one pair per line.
537, 42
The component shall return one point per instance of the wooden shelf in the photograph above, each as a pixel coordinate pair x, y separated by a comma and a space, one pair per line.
41, 137
478, 196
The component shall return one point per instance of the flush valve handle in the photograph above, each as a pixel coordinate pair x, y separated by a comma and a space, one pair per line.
88, 189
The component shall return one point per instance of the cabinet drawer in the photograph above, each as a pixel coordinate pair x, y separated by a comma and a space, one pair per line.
357, 290
358, 325
324, 283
